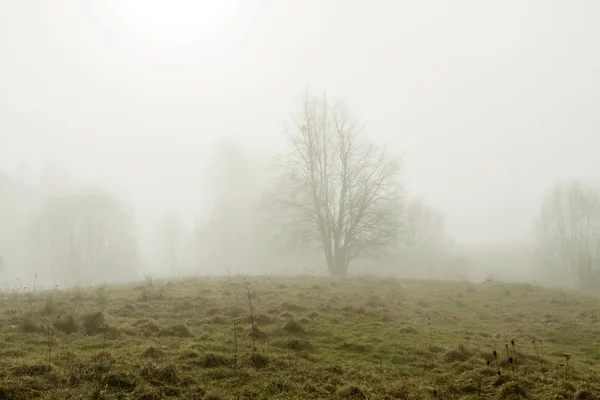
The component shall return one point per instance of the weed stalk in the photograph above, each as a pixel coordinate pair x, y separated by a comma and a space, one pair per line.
105, 326
253, 327
541, 360
235, 351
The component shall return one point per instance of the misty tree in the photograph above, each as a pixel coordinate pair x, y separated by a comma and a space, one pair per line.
424, 226
228, 235
18, 202
86, 237
170, 242
336, 190
425, 245
568, 233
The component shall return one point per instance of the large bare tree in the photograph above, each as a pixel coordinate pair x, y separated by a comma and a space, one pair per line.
336, 189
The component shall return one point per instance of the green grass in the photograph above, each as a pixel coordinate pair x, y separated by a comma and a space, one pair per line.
358, 338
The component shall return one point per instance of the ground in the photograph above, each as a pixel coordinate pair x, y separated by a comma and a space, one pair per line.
313, 338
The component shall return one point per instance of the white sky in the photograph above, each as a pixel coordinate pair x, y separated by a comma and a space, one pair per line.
490, 102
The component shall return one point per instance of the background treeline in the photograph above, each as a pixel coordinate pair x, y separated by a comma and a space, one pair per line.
332, 203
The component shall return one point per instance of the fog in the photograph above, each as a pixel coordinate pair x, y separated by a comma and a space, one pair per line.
172, 106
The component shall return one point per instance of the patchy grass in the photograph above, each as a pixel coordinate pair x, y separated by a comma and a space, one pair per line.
316, 338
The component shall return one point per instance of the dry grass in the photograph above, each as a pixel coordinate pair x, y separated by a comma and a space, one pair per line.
315, 338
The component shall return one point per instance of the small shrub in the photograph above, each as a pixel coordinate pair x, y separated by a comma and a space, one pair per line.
409, 330
299, 345
48, 308
212, 360
148, 326
93, 323
189, 355
435, 349
291, 307
351, 393
461, 354
277, 387
178, 330
262, 319
219, 320
66, 324
397, 390
212, 396
128, 310
256, 333
374, 302
76, 294
235, 312
37, 369
29, 325
153, 352
357, 348
123, 381
167, 373
143, 391
258, 360
585, 395
196, 393
103, 356
335, 369
101, 296
211, 312
512, 390
293, 327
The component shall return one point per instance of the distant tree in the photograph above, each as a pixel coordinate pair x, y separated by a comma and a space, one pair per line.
19, 200
336, 190
568, 233
170, 246
228, 236
424, 226
86, 237
425, 244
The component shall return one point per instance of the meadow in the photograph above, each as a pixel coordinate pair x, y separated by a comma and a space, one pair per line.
300, 338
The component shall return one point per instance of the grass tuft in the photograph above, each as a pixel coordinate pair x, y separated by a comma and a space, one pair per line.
293, 327
93, 323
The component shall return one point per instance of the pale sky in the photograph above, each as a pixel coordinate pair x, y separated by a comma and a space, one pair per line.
490, 102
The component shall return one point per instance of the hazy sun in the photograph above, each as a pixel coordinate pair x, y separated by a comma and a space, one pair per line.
173, 22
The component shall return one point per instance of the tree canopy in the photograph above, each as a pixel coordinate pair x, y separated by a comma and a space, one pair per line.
336, 189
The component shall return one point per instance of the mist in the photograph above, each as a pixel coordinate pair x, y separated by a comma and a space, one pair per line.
174, 115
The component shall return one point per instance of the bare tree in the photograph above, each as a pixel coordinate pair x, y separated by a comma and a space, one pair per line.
336, 190
170, 242
424, 226
235, 183
425, 246
87, 236
568, 233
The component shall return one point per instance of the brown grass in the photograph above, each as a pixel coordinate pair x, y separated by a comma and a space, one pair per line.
365, 338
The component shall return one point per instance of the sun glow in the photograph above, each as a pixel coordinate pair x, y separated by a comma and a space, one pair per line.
174, 22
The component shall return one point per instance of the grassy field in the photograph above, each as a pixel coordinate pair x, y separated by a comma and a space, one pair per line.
313, 338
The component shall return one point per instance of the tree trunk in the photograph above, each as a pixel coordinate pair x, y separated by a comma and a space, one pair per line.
338, 267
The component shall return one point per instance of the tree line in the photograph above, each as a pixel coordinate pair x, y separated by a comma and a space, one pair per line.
332, 193
568, 234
